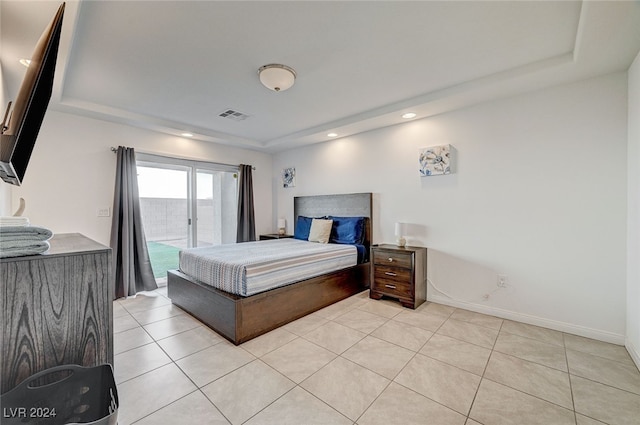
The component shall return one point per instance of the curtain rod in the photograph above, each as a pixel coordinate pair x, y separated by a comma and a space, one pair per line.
115, 150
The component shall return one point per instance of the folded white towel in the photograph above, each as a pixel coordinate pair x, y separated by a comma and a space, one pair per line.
24, 233
22, 248
14, 221
17, 241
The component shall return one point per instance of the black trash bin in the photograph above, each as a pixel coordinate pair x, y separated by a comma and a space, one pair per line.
63, 395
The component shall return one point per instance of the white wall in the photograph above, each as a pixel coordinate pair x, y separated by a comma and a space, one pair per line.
539, 194
633, 218
72, 172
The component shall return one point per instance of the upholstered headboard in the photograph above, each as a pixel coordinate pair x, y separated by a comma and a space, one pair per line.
343, 205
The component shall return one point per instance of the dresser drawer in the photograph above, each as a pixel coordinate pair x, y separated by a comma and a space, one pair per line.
393, 288
396, 259
393, 274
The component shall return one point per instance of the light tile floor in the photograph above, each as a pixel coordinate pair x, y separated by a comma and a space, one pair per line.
366, 362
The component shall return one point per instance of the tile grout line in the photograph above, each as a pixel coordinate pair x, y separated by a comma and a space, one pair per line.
357, 306
296, 384
198, 388
484, 371
536, 363
415, 353
155, 341
566, 358
348, 310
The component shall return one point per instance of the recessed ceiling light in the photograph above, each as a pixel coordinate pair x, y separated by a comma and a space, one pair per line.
332, 135
409, 115
25, 62
186, 134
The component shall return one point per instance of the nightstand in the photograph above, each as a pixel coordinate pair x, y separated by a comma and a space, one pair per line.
274, 236
399, 273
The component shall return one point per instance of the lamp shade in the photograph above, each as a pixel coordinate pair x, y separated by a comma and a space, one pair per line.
277, 77
401, 229
282, 223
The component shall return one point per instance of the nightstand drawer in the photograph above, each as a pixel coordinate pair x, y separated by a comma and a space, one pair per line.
393, 288
392, 274
397, 259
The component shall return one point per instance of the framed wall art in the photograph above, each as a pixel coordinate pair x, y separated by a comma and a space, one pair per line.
289, 177
435, 160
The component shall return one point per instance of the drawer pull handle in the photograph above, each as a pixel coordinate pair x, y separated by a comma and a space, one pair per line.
390, 274
390, 260
390, 286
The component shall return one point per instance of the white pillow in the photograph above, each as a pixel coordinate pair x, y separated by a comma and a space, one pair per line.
320, 230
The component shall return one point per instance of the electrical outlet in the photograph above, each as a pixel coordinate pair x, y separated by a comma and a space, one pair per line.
104, 212
502, 281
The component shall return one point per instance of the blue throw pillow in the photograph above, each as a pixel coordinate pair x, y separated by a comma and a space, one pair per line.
347, 230
303, 227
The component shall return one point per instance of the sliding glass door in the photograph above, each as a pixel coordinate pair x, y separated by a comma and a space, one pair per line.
185, 204
216, 207
164, 202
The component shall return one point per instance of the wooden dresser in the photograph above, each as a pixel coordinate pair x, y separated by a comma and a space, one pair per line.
57, 308
400, 273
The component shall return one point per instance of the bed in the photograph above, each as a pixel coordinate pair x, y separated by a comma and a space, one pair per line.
240, 318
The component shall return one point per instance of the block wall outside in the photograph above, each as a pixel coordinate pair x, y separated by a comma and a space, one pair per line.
164, 219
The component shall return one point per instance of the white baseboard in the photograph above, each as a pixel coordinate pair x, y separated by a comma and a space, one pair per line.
537, 321
633, 352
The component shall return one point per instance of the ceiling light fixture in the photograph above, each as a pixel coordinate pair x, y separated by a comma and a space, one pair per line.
277, 77
25, 62
186, 134
332, 135
409, 115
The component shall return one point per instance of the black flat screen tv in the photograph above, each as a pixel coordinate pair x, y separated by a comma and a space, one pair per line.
21, 124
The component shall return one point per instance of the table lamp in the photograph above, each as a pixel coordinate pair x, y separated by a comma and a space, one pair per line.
401, 230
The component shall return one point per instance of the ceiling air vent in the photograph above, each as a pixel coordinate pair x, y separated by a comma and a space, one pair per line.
233, 115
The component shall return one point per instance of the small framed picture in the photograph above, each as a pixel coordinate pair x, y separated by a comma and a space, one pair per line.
289, 177
435, 160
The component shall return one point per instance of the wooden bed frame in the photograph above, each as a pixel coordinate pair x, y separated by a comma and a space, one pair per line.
240, 319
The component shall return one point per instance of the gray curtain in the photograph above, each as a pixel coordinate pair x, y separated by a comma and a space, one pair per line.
131, 262
246, 218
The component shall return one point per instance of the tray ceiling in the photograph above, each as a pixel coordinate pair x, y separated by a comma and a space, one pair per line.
175, 66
